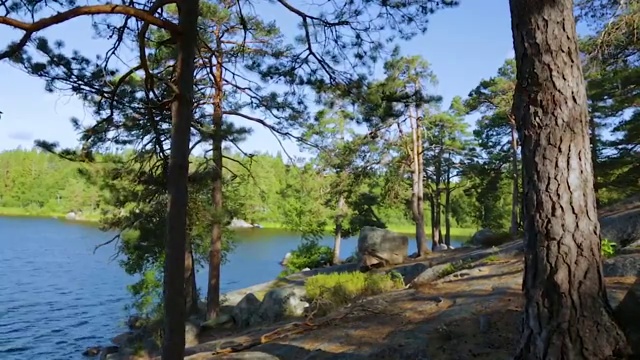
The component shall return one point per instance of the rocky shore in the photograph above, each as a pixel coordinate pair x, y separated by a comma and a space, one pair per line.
472, 293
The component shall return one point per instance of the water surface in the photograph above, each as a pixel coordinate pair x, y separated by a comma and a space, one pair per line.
57, 297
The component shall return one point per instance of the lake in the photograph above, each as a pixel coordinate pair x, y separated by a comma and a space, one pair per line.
57, 297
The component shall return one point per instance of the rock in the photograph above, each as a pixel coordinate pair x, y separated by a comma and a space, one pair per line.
410, 272
487, 238
245, 355
285, 259
620, 222
109, 353
628, 315
135, 322
381, 247
123, 339
245, 309
441, 247
220, 320
280, 303
92, 351
70, 216
622, 266
191, 332
239, 224
632, 248
429, 275
484, 323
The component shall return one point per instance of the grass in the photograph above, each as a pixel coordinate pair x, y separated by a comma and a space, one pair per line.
408, 229
44, 213
327, 292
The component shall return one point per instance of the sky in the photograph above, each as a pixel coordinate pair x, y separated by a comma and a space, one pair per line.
463, 46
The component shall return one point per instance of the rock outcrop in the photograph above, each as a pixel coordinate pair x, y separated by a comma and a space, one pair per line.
620, 223
381, 247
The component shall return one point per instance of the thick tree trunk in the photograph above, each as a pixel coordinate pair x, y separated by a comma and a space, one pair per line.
566, 315
515, 194
176, 239
417, 193
215, 252
337, 240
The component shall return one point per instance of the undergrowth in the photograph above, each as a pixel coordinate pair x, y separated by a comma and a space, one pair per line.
327, 292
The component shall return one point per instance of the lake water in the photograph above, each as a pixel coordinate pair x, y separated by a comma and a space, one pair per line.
57, 297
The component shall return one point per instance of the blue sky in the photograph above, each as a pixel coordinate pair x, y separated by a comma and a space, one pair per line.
463, 45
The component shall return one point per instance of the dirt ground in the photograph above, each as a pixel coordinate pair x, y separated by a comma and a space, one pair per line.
473, 314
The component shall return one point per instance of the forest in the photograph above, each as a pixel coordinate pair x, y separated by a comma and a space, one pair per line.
164, 164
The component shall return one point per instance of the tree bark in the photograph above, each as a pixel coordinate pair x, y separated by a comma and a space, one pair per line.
190, 288
417, 193
215, 252
515, 195
176, 239
447, 208
567, 314
337, 240
437, 206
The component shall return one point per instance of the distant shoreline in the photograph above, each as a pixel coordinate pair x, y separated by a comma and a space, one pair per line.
93, 219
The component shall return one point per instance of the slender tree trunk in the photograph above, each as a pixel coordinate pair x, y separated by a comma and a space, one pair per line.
337, 240
567, 314
215, 252
515, 194
176, 239
417, 193
437, 216
432, 207
190, 288
447, 209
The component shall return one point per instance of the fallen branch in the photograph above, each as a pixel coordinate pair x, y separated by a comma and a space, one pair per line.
279, 333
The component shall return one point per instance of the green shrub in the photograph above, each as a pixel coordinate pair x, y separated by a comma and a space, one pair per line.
607, 248
309, 254
329, 291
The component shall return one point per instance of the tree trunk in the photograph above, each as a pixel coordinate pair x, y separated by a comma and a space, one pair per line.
567, 314
447, 209
337, 241
515, 194
432, 207
190, 288
215, 252
437, 216
176, 239
417, 193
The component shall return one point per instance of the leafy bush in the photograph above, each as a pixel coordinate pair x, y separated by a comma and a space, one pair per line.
309, 254
607, 248
329, 291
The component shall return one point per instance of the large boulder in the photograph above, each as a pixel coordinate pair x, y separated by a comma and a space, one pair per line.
622, 266
280, 303
620, 222
488, 238
381, 247
245, 309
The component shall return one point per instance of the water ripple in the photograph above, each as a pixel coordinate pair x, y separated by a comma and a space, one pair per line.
54, 291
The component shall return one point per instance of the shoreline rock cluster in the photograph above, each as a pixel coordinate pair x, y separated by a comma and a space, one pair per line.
378, 250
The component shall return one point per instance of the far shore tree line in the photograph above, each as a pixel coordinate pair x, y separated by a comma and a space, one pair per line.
385, 149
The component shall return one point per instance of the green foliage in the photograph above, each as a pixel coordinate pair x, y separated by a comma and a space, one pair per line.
309, 254
327, 292
608, 248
